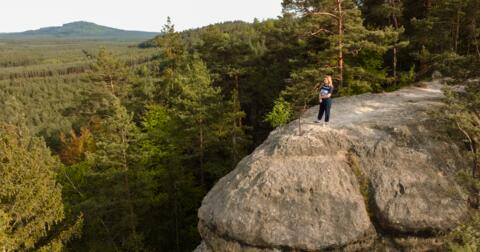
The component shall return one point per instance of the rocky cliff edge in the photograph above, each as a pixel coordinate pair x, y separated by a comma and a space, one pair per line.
382, 169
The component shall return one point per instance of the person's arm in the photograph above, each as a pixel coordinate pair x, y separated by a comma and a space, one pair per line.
329, 92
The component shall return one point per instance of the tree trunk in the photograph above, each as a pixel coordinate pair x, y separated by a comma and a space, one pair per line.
476, 167
457, 31
107, 230
111, 84
302, 111
234, 143
473, 150
202, 176
476, 47
300, 123
396, 26
340, 43
175, 213
128, 192
427, 4
474, 31
236, 121
237, 87
395, 65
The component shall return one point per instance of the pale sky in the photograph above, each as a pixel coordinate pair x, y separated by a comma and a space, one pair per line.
145, 15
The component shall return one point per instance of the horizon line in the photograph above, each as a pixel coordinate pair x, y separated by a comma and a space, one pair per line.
158, 32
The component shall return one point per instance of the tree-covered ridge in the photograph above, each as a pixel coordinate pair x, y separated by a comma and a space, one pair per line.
191, 36
79, 30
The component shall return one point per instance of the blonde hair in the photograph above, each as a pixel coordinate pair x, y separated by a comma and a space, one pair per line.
329, 80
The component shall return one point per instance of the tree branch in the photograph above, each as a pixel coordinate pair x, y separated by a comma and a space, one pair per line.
321, 30
321, 13
472, 148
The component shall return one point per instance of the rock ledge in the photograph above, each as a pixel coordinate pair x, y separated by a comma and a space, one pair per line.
382, 167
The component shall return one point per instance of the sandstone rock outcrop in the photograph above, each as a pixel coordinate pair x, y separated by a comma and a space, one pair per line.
382, 166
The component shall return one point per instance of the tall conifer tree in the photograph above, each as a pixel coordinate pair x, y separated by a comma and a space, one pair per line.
199, 106
31, 204
336, 26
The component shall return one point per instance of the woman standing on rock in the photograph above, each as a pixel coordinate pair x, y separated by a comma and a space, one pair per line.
325, 98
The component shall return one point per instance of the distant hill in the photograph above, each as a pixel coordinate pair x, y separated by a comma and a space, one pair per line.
80, 30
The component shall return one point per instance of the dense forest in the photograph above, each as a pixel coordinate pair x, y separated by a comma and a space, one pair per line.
109, 146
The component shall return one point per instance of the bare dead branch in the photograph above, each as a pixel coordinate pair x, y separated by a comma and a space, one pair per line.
325, 14
321, 30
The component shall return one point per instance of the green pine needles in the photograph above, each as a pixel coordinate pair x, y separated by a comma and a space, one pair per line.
31, 208
281, 113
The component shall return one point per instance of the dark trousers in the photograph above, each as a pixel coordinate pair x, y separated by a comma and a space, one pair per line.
325, 106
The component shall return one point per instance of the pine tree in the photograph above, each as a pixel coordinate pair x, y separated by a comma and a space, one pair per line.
113, 159
446, 38
445, 18
384, 13
172, 57
172, 47
339, 22
171, 190
280, 114
110, 72
104, 184
231, 52
232, 128
336, 27
31, 209
199, 106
